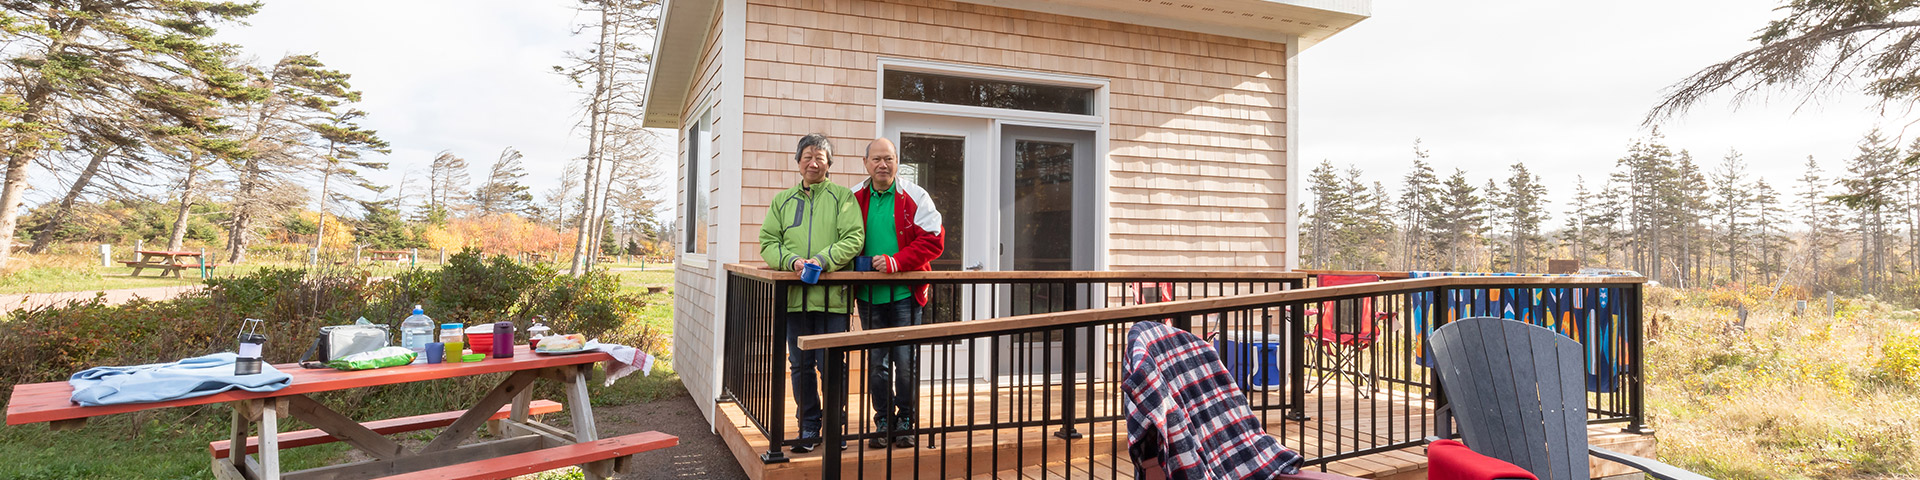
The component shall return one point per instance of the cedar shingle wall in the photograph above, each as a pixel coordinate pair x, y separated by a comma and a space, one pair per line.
693, 318
1196, 168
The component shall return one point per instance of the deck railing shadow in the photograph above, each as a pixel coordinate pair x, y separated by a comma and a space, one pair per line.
1023, 369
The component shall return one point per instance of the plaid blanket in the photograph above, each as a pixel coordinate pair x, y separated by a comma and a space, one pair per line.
1183, 409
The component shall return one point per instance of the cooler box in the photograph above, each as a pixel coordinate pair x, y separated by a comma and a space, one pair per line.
1253, 359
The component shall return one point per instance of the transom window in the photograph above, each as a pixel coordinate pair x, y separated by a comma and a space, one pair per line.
980, 92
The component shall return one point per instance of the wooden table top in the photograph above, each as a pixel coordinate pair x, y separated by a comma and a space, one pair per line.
47, 402
173, 254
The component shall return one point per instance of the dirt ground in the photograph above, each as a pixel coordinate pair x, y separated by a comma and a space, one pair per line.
701, 453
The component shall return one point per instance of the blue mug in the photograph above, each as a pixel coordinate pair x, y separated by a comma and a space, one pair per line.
810, 273
863, 263
436, 352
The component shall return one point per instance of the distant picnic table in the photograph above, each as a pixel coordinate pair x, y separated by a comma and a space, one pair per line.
396, 256
168, 262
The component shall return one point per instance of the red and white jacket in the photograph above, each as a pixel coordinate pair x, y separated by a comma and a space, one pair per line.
918, 228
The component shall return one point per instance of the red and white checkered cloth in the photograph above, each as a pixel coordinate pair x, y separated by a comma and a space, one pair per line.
1184, 409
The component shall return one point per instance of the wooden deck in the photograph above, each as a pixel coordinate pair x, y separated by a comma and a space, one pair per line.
1102, 451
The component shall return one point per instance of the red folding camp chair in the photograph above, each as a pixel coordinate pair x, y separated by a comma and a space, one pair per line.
1345, 329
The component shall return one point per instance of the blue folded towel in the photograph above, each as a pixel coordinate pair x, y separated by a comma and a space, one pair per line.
159, 382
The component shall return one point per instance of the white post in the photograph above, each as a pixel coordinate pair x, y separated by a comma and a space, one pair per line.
443, 255
356, 254
138, 245
313, 256
106, 255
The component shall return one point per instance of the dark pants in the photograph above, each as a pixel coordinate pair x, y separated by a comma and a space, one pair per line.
804, 366
892, 372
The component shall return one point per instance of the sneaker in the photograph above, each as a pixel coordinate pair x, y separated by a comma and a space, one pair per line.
904, 441
808, 440
880, 442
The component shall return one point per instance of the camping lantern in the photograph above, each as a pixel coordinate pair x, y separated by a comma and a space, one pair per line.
251, 343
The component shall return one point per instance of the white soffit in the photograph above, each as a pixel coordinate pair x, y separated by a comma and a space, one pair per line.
683, 34
1269, 20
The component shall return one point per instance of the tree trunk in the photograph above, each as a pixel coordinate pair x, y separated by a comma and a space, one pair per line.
320, 235
239, 232
18, 156
595, 132
45, 237
186, 203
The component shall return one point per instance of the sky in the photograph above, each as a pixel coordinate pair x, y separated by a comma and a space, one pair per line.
471, 76
1560, 86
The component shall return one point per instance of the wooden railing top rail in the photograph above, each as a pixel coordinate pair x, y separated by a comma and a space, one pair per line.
978, 328
767, 274
1384, 275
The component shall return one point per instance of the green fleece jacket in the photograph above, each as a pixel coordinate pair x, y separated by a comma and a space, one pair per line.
821, 221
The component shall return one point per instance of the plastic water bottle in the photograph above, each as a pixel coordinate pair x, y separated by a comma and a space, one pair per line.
416, 332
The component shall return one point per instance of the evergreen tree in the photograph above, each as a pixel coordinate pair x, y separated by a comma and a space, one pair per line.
1870, 194
1522, 204
1769, 235
1418, 204
1575, 234
502, 192
1817, 215
346, 143
1330, 203
381, 227
446, 184
1730, 211
1460, 223
132, 60
300, 93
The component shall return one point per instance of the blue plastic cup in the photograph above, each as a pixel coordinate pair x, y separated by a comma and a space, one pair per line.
436, 352
863, 263
810, 273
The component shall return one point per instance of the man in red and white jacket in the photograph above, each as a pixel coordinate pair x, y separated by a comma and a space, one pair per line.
904, 234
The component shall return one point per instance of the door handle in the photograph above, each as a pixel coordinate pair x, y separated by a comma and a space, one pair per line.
976, 266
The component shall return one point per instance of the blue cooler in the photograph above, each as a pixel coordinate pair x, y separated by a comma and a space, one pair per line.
1253, 359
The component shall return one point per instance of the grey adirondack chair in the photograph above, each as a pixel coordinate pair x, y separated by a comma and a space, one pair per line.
1518, 392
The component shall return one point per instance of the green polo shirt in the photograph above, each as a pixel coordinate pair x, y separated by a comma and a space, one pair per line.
882, 240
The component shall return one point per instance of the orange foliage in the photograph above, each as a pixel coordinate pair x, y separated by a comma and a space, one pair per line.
505, 233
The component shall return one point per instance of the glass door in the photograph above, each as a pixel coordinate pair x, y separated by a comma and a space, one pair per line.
940, 153
1046, 224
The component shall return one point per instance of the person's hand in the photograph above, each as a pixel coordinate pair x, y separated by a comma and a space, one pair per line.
803, 261
885, 264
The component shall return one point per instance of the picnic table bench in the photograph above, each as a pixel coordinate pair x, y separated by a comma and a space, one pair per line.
522, 444
168, 262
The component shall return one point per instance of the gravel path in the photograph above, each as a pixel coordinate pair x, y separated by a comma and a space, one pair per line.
113, 297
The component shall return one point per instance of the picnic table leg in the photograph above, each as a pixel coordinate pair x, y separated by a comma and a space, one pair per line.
481, 411
269, 440
583, 428
240, 428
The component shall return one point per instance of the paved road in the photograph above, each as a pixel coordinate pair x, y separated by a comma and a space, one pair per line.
114, 297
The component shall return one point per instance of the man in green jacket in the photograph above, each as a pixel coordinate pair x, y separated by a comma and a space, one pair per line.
816, 222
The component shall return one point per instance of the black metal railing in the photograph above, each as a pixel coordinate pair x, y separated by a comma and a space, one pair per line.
755, 362
1033, 381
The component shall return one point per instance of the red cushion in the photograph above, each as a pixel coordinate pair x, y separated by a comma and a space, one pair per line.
1451, 460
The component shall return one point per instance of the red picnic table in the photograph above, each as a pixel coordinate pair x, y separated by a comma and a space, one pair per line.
167, 262
523, 445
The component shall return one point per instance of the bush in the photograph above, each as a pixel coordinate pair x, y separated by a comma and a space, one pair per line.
1900, 360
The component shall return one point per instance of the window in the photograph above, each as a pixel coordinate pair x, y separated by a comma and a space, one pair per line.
696, 215
979, 92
